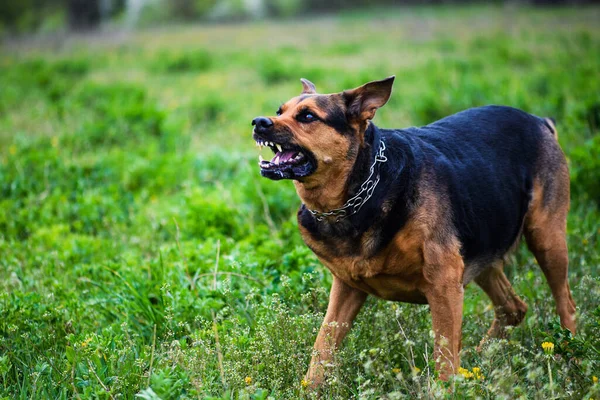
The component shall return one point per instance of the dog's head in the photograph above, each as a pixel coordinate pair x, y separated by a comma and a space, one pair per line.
316, 137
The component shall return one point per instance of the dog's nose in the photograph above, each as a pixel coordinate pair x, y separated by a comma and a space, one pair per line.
262, 123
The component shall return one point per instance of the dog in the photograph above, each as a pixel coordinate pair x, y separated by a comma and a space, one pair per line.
416, 214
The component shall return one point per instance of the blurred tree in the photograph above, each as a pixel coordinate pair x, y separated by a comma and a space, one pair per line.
19, 16
190, 9
87, 14
84, 14
285, 8
26, 15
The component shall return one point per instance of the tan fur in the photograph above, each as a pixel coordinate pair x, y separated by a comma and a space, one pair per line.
546, 225
325, 189
344, 304
509, 308
545, 229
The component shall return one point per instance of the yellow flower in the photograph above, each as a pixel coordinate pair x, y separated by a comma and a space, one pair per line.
396, 370
585, 242
548, 347
416, 370
86, 342
12, 150
248, 380
304, 383
595, 379
477, 373
465, 372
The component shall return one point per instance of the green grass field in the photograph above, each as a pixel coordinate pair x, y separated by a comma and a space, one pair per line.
142, 255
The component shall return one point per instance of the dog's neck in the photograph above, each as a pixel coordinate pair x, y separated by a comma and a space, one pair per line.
334, 193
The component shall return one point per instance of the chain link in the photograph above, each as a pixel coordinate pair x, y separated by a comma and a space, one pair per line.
354, 204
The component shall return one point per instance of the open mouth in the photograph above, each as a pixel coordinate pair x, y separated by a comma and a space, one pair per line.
289, 161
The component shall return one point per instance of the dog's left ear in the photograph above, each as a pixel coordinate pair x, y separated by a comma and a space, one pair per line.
308, 87
363, 101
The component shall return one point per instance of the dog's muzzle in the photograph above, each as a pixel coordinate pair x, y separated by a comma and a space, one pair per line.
290, 161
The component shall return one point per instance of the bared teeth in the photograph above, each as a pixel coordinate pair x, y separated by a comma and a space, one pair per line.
282, 159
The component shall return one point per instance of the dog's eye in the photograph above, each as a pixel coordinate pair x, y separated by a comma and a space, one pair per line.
306, 116
278, 111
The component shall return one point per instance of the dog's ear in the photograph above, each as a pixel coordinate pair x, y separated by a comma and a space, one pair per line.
363, 101
308, 87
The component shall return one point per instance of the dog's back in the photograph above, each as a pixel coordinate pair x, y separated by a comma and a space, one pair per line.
487, 160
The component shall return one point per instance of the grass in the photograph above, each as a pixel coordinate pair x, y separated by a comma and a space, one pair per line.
142, 256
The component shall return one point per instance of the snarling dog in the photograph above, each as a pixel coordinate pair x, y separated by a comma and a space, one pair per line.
416, 214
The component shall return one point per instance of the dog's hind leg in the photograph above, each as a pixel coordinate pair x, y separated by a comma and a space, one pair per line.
509, 308
550, 250
546, 240
545, 228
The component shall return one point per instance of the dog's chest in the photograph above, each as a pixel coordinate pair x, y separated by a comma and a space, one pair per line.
394, 272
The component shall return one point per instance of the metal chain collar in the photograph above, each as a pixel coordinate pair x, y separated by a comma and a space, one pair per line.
354, 205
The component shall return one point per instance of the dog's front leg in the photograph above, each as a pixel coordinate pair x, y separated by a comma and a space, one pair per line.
344, 304
444, 293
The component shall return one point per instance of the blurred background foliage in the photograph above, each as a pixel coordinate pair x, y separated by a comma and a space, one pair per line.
51, 16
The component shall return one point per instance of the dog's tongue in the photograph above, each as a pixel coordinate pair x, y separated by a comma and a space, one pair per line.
283, 156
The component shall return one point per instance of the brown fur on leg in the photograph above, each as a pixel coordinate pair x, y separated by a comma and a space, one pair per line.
545, 231
509, 308
444, 291
344, 304
550, 249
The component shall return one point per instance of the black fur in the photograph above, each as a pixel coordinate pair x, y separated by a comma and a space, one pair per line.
336, 116
482, 159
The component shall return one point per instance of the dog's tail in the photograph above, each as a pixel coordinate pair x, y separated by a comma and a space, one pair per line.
551, 124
